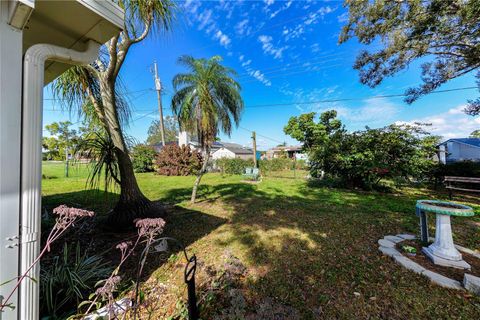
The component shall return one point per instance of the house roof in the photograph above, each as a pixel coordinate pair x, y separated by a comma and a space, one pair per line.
474, 142
287, 148
236, 148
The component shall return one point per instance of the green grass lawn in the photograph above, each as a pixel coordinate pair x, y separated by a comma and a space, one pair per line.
311, 249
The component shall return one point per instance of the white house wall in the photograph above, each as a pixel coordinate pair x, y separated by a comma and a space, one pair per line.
10, 124
223, 153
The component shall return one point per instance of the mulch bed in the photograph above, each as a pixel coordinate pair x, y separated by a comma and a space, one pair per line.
449, 272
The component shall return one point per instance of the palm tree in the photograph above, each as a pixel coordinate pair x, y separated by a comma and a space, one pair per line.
206, 101
97, 86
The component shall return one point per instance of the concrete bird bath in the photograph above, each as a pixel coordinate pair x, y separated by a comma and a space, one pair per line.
442, 251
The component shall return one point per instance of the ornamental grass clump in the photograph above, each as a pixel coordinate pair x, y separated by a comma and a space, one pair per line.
65, 218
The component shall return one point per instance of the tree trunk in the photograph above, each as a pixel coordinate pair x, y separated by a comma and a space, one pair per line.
200, 174
132, 204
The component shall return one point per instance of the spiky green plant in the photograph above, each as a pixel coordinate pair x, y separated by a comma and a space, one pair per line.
68, 279
94, 89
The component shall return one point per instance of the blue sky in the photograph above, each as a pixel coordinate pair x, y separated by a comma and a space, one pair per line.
285, 52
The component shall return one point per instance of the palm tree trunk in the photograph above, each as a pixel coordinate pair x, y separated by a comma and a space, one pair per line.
132, 204
203, 170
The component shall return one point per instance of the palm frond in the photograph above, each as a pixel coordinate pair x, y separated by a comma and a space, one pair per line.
103, 161
207, 98
77, 87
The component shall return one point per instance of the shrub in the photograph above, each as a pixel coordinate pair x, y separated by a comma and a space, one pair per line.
233, 165
178, 161
143, 157
276, 164
68, 280
460, 169
363, 158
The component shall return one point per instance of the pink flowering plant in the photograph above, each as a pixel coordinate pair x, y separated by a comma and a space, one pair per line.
147, 231
65, 218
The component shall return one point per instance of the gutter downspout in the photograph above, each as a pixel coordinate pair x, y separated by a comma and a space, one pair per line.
31, 157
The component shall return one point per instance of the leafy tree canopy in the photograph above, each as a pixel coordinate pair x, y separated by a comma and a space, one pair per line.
170, 128
475, 134
446, 30
62, 139
363, 158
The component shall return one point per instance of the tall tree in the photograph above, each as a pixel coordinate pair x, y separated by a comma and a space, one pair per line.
206, 101
95, 87
170, 127
66, 138
445, 31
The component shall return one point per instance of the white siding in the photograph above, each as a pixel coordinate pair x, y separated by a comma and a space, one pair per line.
10, 120
223, 153
461, 152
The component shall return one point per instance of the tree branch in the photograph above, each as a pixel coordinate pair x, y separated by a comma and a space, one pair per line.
112, 52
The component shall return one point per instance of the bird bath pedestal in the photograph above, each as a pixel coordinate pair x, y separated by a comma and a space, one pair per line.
442, 251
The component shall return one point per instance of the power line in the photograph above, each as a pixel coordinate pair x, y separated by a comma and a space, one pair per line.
324, 100
263, 136
351, 99
301, 63
281, 74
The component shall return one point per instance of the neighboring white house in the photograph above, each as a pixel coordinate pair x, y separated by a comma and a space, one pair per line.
39, 40
290, 152
219, 149
462, 149
232, 150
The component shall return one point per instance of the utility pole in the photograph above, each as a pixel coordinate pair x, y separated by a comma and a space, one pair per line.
254, 142
158, 88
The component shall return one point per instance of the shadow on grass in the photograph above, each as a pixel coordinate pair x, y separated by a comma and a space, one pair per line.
186, 225
315, 249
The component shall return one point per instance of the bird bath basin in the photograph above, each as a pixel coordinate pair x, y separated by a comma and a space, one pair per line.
442, 251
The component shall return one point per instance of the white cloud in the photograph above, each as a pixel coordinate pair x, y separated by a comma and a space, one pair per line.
242, 28
372, 112
268, 47
269, 2
451, 124
260, 77
223, 38
246, 63
343, 17
257, 74
282, 8
315, 48
205, 19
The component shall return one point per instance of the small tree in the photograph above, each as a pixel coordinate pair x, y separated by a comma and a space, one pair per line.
206, 100
170, 127
143, 158
96, 88
63, 139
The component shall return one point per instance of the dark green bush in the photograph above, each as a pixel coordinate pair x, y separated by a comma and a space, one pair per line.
460, 169
233, 165
178, 161
143, 157
276, 164
67, 281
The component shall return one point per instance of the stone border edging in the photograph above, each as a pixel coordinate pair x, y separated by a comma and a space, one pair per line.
387, 247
